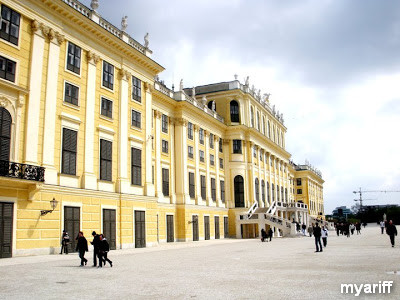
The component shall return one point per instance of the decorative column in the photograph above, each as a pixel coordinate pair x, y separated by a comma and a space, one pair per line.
89, 179
197, 171
182, 185
158, 174
123, 182
217, 183
35, 85
171, 130
149, 189
56, 40
207, 162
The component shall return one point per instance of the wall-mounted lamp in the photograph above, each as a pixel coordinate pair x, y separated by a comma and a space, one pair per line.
190, 222
53, 204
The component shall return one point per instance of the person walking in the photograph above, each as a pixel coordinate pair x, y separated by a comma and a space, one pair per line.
263, 235
104, 247
303, 229
317, 236
352, 228
358, 228
391, 231
310, 230
324, 235
64, 242
270, 233
82, 247
96, 244
382, 224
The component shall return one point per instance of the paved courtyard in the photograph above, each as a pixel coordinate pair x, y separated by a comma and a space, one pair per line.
287, 268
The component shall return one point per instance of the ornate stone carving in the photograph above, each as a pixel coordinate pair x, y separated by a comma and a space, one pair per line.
60, 38
124, 23
94, 4
21, 101
124, 74
35, 26
196, 127
146, 40
157, 114
226, 142
181, 121
92, 57
148, 87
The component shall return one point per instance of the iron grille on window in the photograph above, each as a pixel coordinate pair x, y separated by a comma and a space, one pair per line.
191, 185
105, 160
108, 75
164, 146
10, 21
71, 94
165, 182
136, 168
164, 123
74, 58
69, 147
106, 107
136, 119
136, 89
7, 69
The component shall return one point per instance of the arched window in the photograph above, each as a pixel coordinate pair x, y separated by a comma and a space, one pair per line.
239, 191
257, 188
282, 141
252, 117
268, 195
268, 129
258, 121
5, 134
273, 192
263, 191
234, 107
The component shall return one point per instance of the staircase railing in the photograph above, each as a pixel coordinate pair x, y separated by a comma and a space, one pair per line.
272, 209
252, 209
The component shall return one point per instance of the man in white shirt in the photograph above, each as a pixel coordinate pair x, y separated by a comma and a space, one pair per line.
382, 224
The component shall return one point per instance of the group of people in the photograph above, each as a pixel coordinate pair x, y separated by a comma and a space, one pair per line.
265, 235
320, 232
100, 244
348, 228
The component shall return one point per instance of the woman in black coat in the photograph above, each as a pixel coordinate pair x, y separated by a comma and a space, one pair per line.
104, 247
82, 247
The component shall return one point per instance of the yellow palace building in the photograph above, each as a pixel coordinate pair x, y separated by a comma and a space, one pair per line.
91, 139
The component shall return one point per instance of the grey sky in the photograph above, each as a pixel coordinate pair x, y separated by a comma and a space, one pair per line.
332, 67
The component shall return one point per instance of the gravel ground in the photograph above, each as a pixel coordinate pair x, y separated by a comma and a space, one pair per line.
216, 269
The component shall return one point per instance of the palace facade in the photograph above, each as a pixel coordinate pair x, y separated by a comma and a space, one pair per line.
91, 139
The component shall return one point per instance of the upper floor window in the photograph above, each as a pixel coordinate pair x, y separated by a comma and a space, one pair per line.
165, 182
221, 141
69, 149
268, 129
136, 166
71, 93
255, 151
192, 186
258, 121
105, 160
190, 131
74, 58
10, 21
212, 160
164, 123
222, 189
263, 125
252, 117
221, 163
261, 155
164, 146
190, 151
7, 69
213, 190
234, 110
201, 155
298, 181
237, 146
136, 119
211, 141
106, 107
201, 136
299, 191
136, 89
108, 75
